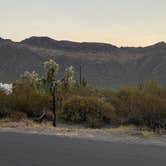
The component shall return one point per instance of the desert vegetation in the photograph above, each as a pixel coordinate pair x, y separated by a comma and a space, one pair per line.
73, 101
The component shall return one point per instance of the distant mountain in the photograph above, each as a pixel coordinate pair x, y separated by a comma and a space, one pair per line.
48, 43
105, 65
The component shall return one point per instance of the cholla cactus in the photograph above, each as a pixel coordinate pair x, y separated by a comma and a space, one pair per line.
51, 68
29, 78
51, 83
68, 79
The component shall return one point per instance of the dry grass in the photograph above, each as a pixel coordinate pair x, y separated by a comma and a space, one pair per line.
124, 128
148, 133
125, 132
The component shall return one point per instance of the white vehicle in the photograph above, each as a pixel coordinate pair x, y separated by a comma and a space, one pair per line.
7, 88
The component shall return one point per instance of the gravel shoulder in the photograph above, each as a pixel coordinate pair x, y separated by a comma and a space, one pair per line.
123, 134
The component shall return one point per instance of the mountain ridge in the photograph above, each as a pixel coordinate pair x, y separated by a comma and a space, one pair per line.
105, 65
160, 43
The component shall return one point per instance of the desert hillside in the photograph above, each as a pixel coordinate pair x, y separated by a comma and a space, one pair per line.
105, 65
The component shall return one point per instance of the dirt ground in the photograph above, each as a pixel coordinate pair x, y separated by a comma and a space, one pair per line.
124, 134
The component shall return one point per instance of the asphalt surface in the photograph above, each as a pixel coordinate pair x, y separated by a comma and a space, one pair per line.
39, 150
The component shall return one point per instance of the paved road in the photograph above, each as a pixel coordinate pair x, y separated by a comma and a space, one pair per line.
36, 150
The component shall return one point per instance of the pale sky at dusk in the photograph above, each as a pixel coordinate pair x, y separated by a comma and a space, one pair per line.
120, 22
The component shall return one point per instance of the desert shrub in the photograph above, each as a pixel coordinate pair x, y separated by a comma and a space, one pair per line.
73, 110
5, 108
92, 111
153, 109
150, 87
31, 102
152, 103
123, 101
17, 116
142, 105
23, 101
81, 91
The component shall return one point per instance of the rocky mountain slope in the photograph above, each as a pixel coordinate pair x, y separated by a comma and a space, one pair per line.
105, 65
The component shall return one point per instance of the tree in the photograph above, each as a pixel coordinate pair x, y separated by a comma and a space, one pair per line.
51, 68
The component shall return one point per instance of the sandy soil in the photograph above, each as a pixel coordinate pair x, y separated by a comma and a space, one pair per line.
129, 134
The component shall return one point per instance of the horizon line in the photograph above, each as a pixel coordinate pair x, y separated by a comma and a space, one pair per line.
79, 41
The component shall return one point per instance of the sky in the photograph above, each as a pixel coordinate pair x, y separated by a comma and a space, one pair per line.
119, 22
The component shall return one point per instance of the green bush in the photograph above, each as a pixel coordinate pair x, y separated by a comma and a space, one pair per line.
5, 108
31, 102
142, 105
89, 110
27, 101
